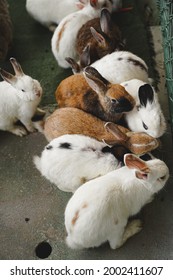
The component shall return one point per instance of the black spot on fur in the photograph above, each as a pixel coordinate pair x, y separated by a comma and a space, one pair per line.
117, 150
145, 94
146, 157
65, 145
107, 149
49, 147
122, 105
92, 104
120, 58
137, 63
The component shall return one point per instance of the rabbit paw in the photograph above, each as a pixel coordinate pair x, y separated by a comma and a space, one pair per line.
19, 131
132, 228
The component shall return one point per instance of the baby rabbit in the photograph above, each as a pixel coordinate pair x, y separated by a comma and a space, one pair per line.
75, 121
70, 160
102, 36
147, 115
50, 13
99, 210
95, 95
19, 98
64, 38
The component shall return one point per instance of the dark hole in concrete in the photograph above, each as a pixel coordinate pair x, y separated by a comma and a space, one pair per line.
43, 250
27, 220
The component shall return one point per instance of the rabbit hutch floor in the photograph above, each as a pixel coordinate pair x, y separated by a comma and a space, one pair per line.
31, 208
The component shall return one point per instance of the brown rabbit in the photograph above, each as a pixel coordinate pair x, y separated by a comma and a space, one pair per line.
101, 34
75, 121
95, 95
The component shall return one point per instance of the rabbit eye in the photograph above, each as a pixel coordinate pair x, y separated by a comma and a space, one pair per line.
163, 177
145, 126
114, 101
22, 90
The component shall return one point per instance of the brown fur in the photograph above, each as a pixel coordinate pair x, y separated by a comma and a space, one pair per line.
5, 29
75, 121
113, 40
74, 91
60, 34
76, 216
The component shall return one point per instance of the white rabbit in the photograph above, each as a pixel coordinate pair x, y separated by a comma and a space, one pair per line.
19, 98
63, 42
50, 13
147, 115
70, 160
99, 210
121, 66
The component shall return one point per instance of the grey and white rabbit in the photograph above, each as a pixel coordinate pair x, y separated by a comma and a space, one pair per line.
19, 97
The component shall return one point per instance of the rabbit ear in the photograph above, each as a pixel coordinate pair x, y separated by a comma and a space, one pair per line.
74, 65
85, 58
16, 66
94, 3
95, 80
113, 129
146, 94
11, 79
105, 21
80, 4
98, 37
134, 162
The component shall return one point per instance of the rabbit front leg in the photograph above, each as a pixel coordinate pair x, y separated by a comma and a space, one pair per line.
25, 116
9, 125
27, 122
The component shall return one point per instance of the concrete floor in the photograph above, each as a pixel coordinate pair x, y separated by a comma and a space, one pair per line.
32, 209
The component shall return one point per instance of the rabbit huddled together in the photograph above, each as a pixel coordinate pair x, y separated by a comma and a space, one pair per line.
108, 116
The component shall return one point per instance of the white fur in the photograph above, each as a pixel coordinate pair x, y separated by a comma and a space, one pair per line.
99, 210
151, 115
63, 42
69, 168
118, 71
18, 105
49, 12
